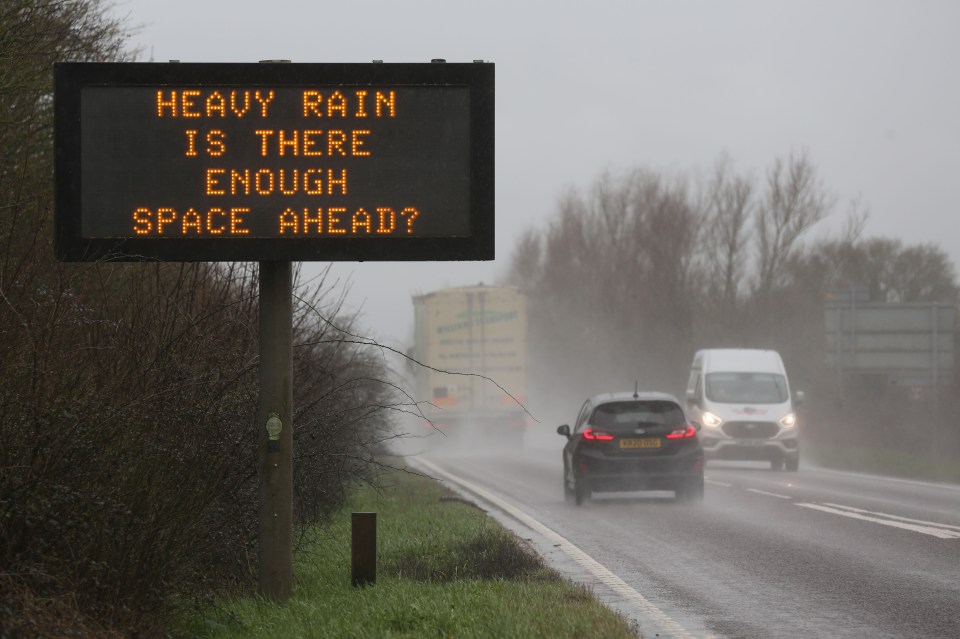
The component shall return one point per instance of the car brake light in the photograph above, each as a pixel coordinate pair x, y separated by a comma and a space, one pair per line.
682, 433
597, 435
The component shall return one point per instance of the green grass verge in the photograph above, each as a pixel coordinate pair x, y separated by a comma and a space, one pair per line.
893, 463
445, 569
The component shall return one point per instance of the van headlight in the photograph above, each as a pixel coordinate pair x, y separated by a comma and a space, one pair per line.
710, 420
789, 420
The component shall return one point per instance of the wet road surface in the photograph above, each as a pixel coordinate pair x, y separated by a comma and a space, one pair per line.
814, 553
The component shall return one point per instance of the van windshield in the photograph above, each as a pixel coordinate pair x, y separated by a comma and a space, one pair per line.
746, 388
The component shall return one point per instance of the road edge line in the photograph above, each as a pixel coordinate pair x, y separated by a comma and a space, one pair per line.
585, 561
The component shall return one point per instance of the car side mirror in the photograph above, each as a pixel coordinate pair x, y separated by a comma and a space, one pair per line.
798, 398
564, 430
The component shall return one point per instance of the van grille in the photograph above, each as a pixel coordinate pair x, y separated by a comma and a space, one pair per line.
752, 430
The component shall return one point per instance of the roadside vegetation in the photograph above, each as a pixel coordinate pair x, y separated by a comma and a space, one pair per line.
873, 459
128, 393
445, 569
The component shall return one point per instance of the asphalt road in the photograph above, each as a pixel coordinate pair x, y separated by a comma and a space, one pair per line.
814, 553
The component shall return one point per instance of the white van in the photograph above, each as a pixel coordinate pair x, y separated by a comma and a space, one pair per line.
741, 399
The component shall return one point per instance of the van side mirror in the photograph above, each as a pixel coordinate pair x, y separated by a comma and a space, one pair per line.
564, 430
798, 398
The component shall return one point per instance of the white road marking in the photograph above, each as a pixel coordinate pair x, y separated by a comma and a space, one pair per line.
587, 562
943, 531
897, 517
716, 483
763, 492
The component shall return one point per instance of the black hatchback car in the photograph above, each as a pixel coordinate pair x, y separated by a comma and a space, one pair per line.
632, 441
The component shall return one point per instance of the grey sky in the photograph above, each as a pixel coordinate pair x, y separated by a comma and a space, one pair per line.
867, 88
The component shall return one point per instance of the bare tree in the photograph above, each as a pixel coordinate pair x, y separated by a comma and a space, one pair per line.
891, 272
794, 201
724, 242
609, 281
526, 261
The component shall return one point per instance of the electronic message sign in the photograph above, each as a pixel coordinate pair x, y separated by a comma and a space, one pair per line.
274, 161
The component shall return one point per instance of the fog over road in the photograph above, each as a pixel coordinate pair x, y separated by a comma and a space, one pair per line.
768, 554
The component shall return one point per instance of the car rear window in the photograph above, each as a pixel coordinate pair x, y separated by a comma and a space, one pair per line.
632, 413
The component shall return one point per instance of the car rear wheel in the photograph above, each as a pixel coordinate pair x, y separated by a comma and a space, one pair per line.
690, 490
776, 463
581, 491
793, 464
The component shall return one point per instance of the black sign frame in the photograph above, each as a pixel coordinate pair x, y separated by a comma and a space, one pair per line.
71, 78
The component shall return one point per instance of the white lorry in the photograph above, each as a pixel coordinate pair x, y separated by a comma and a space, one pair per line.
472, 344
741, 398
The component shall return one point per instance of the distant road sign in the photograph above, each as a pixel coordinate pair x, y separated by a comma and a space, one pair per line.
913, 344
223, 162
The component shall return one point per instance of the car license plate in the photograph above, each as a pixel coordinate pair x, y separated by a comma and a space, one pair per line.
644, 442
751, 442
